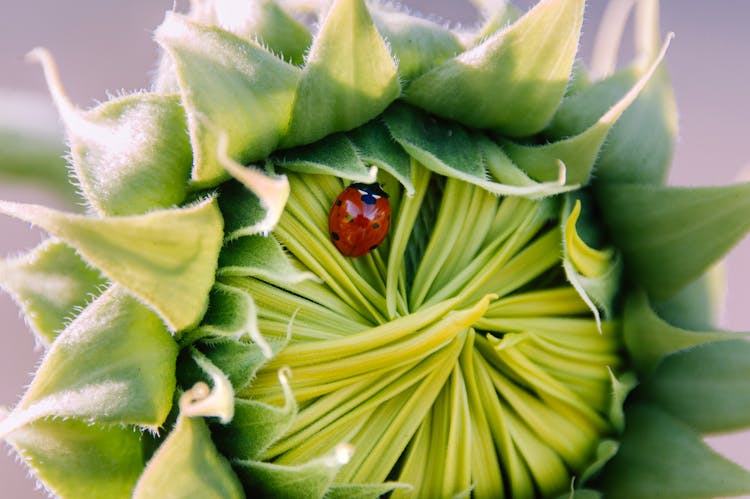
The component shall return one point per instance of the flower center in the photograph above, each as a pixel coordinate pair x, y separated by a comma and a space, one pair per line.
454, 357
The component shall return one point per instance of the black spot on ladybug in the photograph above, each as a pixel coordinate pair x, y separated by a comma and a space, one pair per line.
334, 236
376, 226
338, 202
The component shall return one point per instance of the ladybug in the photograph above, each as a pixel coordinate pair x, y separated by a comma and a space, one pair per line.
359, 219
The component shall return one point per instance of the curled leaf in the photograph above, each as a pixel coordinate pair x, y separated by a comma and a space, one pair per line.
348, 79
708, 386
594, 273
202, 400
270, 191
121, 161
49, 284
78, 377
166, 258
269, 23
650, 339
262, 257
333, 155
533, 59
660, 457
187, 464
454, 151
669, 236
418, 44
228, 84
579, 152
78, 459
375, 145
238, 360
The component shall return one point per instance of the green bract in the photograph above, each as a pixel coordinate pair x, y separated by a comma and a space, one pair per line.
511, 337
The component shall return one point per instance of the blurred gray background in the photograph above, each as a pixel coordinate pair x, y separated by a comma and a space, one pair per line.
106, 46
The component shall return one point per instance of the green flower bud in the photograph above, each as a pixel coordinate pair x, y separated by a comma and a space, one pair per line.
222, 346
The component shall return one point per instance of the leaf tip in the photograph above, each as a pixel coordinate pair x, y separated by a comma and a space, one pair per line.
201, 400
273, 192
43, 57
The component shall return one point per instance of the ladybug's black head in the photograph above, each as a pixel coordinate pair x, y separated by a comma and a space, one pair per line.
373, 189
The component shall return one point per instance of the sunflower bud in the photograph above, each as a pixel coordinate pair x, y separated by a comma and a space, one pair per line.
487, 337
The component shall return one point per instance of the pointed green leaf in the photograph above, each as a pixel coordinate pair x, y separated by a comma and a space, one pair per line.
441, 146
32, 148
588, 260
579, 153
188, 465
622, 385
669, 236
376, 146
309, 480
228, 85
418, 44
708, 387
238, 360
259, 256
114, 363
582, 108
333, 155
699, 305
50, 284
78, 459
349, 76
255, 426
605, 451
503, 170
450, 149
632, 152
598, 292
595, 274
231, 313
649, 339
166, 258
269, 23
271, 191
121, 161
514, 80
243, 211
662, 458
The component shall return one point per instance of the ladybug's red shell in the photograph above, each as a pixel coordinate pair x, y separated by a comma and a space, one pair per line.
359, 219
